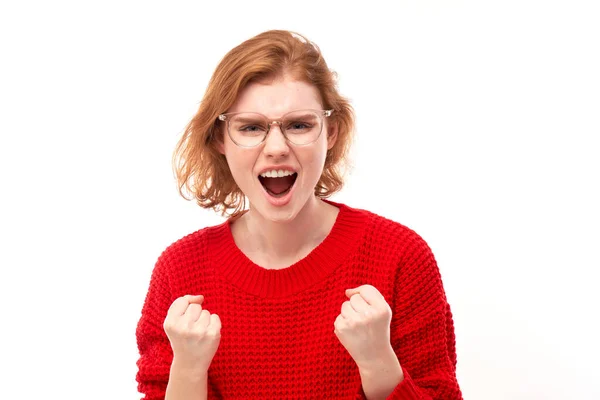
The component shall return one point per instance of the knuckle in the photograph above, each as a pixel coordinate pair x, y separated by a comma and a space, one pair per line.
340, 328
194, 307
167, 326
352, 323
213, 334
385, 312
178, 302
379, 317
198, 335
170, 323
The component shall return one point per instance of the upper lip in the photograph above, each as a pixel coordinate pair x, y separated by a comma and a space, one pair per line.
277, 168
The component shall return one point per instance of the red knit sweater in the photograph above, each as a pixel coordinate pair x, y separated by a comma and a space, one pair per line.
277, 338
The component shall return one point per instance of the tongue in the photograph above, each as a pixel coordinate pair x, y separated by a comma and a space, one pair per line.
278, 185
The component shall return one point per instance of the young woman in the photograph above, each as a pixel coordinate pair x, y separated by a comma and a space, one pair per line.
294, 296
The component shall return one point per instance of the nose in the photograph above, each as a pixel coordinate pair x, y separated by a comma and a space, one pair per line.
275, 143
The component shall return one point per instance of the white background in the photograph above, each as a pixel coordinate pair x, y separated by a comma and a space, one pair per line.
478, 126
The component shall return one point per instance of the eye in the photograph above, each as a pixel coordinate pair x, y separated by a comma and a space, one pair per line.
298, 126
251, 128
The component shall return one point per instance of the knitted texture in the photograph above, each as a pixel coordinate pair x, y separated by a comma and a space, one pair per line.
277, 336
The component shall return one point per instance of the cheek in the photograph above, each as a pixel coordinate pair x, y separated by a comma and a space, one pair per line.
314, 159
240, 161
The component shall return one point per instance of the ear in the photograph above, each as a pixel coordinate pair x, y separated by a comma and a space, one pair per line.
332, 135
218, 139
220, 146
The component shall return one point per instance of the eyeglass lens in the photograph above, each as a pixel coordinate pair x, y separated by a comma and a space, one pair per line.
299, 127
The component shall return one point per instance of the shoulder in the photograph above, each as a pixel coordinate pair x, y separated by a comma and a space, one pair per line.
191, 249
388, 234
392, 245
397, 245
397, 251
185, 265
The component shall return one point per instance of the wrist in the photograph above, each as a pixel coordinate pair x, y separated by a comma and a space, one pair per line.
387, 363
379, 377
186, 381
188, 370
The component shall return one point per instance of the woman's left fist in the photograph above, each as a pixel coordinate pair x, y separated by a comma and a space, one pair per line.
363, 326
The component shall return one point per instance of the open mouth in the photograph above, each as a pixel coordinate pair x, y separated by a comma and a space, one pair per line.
280, 186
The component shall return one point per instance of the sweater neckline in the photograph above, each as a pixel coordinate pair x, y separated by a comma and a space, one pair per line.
339, 244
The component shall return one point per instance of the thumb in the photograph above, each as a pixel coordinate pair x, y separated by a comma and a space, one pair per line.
196, 299
352, 292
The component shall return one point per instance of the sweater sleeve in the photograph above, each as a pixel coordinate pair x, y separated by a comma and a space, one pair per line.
154, 348
156, 355
422, 329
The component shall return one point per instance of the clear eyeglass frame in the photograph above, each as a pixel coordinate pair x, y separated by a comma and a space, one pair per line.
226, 117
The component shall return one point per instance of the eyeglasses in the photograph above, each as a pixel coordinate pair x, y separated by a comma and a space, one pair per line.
300, 127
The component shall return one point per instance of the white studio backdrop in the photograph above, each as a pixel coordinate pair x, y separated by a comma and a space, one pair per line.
478, 126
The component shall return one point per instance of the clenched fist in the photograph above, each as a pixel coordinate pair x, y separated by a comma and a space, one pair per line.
194, 333
363, 326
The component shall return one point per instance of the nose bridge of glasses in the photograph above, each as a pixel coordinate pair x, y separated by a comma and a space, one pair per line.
279, 123
273, 140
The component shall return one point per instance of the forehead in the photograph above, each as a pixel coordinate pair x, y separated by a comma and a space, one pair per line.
274, 98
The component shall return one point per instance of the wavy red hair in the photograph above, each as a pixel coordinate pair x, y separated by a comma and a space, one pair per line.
199, 167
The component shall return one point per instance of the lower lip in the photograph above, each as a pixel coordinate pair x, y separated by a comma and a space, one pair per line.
279, 201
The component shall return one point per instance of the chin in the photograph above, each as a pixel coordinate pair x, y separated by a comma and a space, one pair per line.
283, 214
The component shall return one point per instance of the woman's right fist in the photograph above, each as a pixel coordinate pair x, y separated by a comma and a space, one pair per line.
194, 333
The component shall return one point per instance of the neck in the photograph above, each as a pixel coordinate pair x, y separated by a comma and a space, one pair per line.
284, 240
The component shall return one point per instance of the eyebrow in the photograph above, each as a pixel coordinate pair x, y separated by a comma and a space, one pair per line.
305, 115
253, 120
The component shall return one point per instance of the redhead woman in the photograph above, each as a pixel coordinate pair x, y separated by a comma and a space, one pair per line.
294, 296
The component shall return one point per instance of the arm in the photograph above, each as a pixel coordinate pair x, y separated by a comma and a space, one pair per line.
363, 328
194, 335
187, 383
161, 375
379, 379
156, 356
415, 334
422, 330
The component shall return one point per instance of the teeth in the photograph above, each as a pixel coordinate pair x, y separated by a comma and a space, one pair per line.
276, 174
